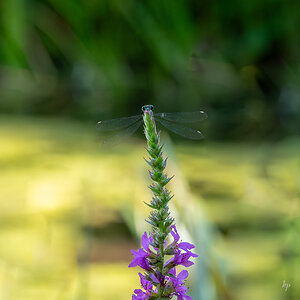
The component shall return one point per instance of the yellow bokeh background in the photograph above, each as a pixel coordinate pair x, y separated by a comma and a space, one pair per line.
71, 211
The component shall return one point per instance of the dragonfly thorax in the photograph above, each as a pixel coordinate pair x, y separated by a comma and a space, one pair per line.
147, 108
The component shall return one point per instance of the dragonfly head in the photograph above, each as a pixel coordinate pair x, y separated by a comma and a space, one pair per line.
147, 108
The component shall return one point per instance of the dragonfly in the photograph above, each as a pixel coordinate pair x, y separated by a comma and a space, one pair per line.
171, 121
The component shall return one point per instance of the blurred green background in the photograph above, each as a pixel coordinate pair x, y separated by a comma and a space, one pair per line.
71, 210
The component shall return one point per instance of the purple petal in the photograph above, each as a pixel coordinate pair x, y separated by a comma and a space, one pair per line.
134, 263
139, 257
145, 241
152, 276
140, 261
139, 292
142, 279
179, 297
183, 275
181, 289
185, 245
187, 263
142, 253
134, 253
191, 253
144, 264
140, 295
173, 271
175, 233
147, 285
139, 253
151, 240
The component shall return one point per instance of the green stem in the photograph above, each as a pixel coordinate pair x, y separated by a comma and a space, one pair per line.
159, 219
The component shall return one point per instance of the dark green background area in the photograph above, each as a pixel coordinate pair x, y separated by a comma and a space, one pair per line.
237, 60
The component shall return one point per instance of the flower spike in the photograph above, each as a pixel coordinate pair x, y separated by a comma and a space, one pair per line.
160, 280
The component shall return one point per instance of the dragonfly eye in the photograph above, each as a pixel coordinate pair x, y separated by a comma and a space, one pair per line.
144, 108
151, 107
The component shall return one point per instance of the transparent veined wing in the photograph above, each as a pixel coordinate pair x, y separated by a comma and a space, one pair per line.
183, 117
116, 124
182, 130
121, 135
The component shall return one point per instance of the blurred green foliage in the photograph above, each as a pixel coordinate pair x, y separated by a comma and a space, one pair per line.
239, 61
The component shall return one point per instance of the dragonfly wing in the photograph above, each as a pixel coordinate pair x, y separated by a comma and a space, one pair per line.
121, 135
116, 124
182, 130
183, 117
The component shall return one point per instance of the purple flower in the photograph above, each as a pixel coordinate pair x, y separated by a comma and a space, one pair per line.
183, 245
146, 284
139, 295
154, 279
140, 256
146, 259
139, 259
143, 295
145, 241
174, 233
181, 259
178, 284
